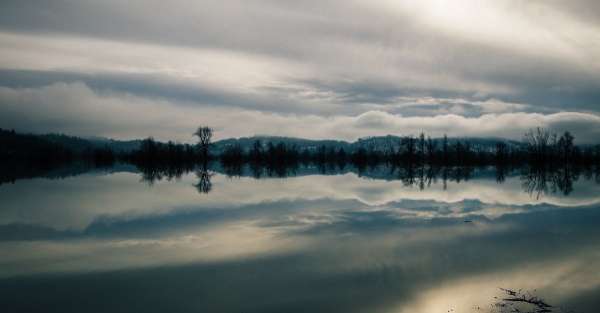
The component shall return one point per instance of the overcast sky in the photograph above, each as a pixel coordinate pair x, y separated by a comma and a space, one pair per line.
315, 69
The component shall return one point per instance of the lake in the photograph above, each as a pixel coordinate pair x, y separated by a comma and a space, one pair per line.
315, 240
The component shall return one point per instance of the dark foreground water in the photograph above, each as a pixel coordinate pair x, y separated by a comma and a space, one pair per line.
110, 241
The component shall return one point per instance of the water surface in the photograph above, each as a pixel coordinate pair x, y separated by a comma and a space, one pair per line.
339, 241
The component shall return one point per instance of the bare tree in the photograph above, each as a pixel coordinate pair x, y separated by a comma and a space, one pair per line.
565, 147
204, 134
431, 149
445, 149
538, 143
501, 152
422, 147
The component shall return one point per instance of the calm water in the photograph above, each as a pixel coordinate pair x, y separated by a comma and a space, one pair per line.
113, 242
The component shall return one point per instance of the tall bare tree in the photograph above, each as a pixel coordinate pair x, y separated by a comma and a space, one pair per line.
538, 143
204, 134
445, 149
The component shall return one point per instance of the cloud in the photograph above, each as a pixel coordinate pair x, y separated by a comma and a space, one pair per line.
76, 109
323, 62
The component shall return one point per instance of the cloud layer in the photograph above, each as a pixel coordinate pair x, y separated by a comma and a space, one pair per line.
305, 68
75, 108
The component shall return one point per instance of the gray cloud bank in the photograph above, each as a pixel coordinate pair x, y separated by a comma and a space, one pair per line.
75, 108
317, 69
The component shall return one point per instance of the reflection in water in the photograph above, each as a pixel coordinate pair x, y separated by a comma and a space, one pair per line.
374, 239
151, 174
204, 185
536, 181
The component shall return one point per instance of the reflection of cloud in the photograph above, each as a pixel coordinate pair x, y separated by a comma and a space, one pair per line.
558, 280
105, 197
318, 250
218, 242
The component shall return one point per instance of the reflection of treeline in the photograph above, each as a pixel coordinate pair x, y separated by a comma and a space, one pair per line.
537, 181
13, 171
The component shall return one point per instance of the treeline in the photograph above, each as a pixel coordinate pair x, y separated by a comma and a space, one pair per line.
543, 147
540, 148
27, 155
152, 152
37, 150
20, 147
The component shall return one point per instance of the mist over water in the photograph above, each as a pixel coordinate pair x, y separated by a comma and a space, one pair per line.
308, 240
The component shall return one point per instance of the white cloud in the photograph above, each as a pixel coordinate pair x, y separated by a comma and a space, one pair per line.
221, 68
76, 109
303, 68
323, 57
533, 27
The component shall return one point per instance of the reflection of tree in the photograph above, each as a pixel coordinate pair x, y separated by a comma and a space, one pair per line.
424, 176
542, 180
204, 184
500, 174
461, 173
537, 181
564, 177
445, 177
407, 175
256, 170
281, 171
233, 169
156, 172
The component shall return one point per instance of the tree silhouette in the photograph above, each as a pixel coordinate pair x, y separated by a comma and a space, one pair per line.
538, 144
445, 149
204, 134
204, 184
565, 147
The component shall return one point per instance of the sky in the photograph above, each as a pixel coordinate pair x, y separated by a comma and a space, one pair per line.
303, 68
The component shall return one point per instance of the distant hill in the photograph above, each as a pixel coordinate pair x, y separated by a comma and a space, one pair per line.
71, 143
246, 143
116, 145
379, 143
20, 146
